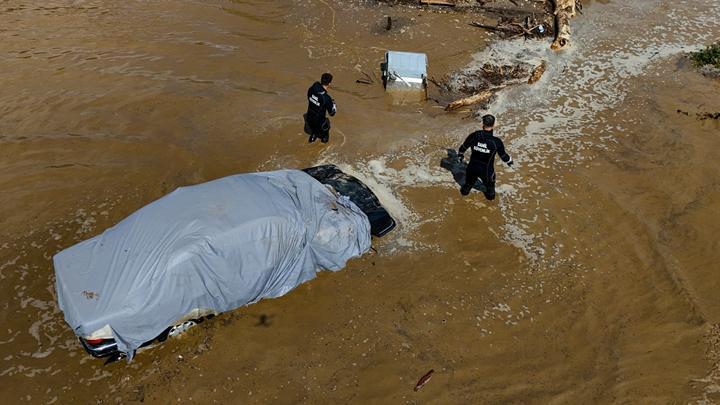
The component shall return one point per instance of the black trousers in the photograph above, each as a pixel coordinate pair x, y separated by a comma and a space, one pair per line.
475, 172
319, 129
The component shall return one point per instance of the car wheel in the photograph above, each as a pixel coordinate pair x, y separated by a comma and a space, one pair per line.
179, 329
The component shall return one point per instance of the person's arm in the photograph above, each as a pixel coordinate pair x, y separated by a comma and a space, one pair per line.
465, 145
330, 105
503, 155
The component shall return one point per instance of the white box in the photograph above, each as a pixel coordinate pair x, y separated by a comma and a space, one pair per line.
405, 71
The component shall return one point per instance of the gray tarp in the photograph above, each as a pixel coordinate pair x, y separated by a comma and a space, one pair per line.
218, 245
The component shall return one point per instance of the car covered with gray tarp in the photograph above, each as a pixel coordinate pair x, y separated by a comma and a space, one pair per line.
211, 247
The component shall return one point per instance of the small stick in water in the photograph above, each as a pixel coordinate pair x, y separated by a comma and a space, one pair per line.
423, 380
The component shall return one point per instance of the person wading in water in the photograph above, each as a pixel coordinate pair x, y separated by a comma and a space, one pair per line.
317, 125
484, 146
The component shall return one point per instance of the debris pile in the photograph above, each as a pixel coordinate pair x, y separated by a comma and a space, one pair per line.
511, 18
708, 116
517, 18
478, 86
527, 19
486, 77
702, 116
532, 28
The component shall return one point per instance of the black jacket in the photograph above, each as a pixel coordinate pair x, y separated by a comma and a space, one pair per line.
484, 148
319, 101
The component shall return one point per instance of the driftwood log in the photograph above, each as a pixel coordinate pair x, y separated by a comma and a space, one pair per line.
537, 72
474, 99
450, 3
501, 28
564, 10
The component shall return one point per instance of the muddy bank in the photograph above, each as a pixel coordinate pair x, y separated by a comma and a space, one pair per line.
590, 280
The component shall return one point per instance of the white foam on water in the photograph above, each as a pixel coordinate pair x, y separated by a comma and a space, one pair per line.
378, 177
7, 264
100, 374
48, 330
34, 329
41, 354
415, 175
11, 339
389, 185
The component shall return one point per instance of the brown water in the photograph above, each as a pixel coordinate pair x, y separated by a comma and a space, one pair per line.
592, 279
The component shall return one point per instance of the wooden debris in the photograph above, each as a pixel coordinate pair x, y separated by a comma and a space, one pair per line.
564, 10
474, 99
708, 116
365, 80
441, 86
450, 3
515, 29
512, 13
423, 380
702, 116
528, 33
488, 80
503, 28
537, 72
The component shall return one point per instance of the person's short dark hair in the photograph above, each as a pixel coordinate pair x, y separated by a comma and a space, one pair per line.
488, 120
325, 79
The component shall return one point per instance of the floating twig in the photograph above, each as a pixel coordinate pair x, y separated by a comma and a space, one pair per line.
366, 80
494, 28
423, 380
450, 3
537, 72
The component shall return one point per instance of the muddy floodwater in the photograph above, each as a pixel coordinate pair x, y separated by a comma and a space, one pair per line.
593, 278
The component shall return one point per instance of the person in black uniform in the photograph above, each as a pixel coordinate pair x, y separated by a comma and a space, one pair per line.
484, 146
319, 102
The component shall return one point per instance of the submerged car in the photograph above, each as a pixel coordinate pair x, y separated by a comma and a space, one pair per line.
209, 248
